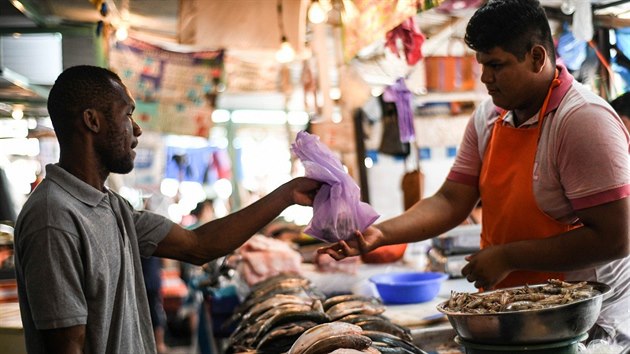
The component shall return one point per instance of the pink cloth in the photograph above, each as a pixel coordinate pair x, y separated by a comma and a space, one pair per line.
411, 38
580, 128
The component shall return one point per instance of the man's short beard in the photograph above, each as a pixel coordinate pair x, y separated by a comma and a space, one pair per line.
121, 166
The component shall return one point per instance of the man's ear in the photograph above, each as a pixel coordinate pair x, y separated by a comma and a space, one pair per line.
91, 120
539, 58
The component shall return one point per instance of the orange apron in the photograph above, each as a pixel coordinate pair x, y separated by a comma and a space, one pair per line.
510, 211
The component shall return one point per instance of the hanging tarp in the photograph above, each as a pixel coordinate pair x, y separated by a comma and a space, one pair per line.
204, 165
366, 21
243, 24
173, 91
571, 50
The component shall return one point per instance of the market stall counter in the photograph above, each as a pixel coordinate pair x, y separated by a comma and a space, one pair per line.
11, 332
430, 329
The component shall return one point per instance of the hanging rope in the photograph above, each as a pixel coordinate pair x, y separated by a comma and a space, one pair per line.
606, 65
283, 37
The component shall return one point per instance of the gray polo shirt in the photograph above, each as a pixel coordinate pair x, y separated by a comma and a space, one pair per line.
77, 256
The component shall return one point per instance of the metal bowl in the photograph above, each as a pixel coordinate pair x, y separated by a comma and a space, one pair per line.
551, 324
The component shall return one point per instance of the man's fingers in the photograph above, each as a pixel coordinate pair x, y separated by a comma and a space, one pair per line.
471, 278
336, 255
323, 250
361, 243
344, 249
331, 252
466, 270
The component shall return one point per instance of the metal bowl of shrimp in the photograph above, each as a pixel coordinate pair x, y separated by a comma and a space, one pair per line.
542, 313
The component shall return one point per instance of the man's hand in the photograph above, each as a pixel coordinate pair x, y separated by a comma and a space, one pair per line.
487, 267
304, 190
361, 244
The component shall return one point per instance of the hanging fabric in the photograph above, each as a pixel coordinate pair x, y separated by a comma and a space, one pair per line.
583, 21
411, 38
391, 143
402, 97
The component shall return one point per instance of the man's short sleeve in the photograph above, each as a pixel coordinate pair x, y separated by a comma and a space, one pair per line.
151, 228
593, 157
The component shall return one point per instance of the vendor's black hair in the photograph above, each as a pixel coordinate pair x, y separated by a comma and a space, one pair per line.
512, 25
77, 89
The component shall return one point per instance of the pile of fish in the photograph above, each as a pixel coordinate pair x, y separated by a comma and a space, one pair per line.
287, 314
555, 292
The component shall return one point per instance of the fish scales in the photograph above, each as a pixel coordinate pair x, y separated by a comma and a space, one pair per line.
328, 344
351, 307
393, 341
312, 335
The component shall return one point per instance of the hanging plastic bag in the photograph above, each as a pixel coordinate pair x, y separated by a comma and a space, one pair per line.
571, 49
337, 208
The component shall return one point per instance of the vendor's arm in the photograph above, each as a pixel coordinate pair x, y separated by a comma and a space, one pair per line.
604, 237
67, 340
428, 218
222, 236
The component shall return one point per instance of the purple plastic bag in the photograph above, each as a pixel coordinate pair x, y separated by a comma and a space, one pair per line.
337, 207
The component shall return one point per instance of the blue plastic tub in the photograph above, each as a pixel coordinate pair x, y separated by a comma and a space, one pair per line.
408, 287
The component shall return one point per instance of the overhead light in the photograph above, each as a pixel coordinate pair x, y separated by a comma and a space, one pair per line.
567, 7
122, 33
220, 116
285, 54
368, 162
336, 117
17, 113
18, 5
335, 93
316, 13
350, 10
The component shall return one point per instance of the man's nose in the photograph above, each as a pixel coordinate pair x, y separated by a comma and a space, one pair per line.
486, 75
137, 131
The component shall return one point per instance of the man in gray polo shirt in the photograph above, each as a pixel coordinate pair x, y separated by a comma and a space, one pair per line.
78, 244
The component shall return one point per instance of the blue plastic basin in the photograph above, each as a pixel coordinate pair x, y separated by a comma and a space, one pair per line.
408, 287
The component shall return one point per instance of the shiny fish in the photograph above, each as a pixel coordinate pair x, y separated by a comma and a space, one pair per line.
337, 341
281, 338
392, 341
380, 325
286, 317
312, 335
351, 307
334, 300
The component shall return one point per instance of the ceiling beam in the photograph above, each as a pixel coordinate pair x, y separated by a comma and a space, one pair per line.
601, 6
605, 21
23, 82
82, 29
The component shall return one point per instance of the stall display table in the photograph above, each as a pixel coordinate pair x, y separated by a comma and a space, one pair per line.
11, 331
